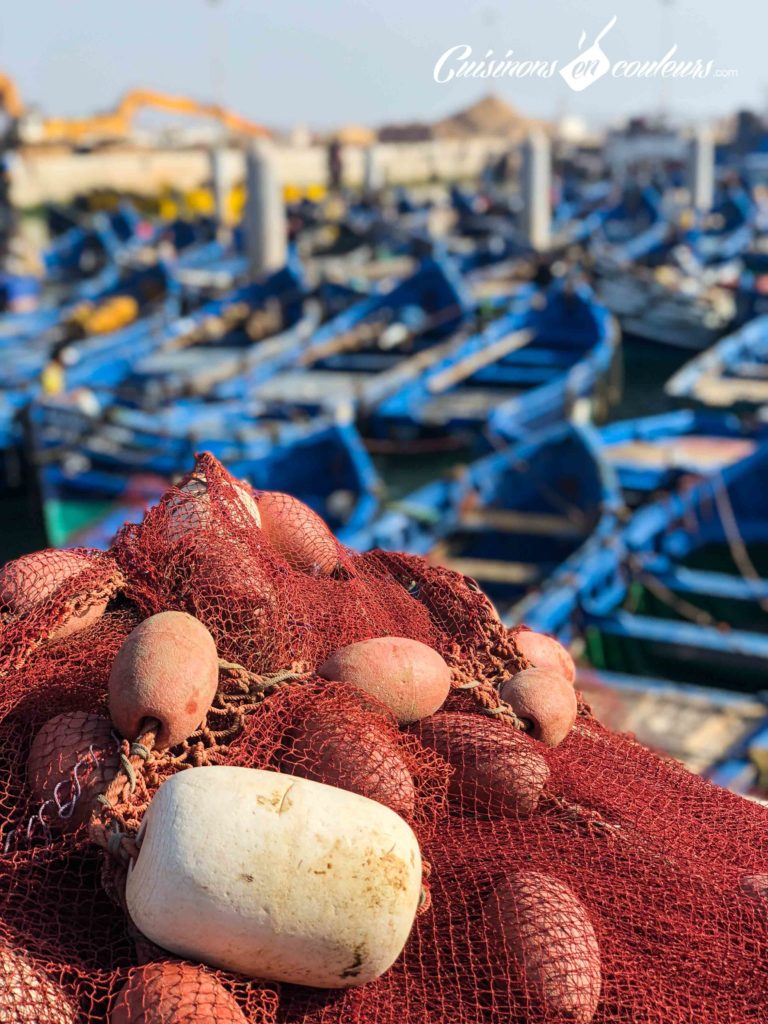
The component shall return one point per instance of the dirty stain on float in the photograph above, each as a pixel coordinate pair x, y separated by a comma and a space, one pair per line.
389, 875
315, 886
278, 801
357, 964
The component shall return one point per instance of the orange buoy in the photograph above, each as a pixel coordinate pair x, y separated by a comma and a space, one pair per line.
495, 769
545, 700
31, 580
349, 751
171, 992
547, 934
167, 669
544, 651
408, 677
188, 508
298, 534
28, 995
72, 759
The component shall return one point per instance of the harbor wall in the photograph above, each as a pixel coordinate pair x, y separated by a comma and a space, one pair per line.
42, 175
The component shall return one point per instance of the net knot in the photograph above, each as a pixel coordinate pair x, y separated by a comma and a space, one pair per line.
128, 770
107, 805
491, 704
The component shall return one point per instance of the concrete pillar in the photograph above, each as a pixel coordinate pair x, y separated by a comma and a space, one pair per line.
266, 229
219, 186
372, 171
701, 170
535, 187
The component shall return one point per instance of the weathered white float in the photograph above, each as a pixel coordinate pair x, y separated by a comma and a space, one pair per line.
275, 877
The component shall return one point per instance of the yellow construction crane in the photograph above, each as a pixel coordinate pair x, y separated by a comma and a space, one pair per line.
9, 97
117, 123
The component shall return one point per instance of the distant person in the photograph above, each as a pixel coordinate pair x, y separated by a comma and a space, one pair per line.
335, 166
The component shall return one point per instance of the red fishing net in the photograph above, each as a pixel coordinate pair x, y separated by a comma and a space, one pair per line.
608, 885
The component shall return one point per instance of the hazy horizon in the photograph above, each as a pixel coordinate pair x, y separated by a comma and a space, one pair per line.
359, 61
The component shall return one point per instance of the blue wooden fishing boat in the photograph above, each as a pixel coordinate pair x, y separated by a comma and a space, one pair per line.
260, 325
509, 519
733, 374
725, 231
651, 455
492, 220
665, 282
323, 463
251, 332
489, 215
673, 616
548, 356
93, 362
92, 451
97, 359
749, 283
581, 211
700, 556
89, 258
667, 305
86, 270
632, 230
11, 472
81, 252
418, 366
212, 267
368, 344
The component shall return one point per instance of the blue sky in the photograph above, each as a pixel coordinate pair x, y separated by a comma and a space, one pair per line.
326, 62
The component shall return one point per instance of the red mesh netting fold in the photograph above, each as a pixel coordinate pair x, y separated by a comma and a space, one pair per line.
661, 871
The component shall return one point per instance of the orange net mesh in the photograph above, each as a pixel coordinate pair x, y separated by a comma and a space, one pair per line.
589, 882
